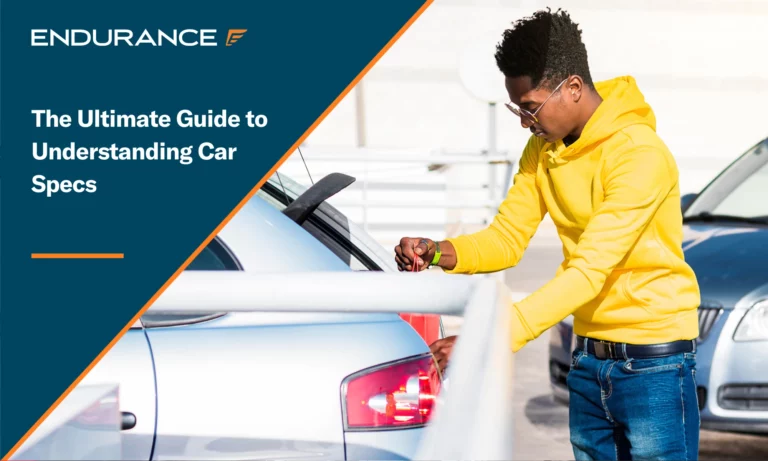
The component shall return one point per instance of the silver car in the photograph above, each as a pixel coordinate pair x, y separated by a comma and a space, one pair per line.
270, 385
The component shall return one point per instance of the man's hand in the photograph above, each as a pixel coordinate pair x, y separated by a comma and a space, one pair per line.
442, 349
420, 250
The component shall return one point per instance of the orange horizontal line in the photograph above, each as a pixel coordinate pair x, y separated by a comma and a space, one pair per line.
78, 255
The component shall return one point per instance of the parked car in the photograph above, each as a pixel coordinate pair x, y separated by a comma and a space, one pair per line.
726, 243
275, 385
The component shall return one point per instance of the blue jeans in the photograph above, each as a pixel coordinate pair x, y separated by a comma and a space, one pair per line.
634, 409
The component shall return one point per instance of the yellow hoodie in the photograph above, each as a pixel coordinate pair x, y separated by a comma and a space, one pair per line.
615, 199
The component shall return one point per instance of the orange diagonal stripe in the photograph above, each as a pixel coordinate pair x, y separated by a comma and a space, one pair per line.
221, 225
78, 255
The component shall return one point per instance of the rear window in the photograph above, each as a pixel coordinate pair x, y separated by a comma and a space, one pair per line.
339, 243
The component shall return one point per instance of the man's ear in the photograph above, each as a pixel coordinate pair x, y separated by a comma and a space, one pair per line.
575, 87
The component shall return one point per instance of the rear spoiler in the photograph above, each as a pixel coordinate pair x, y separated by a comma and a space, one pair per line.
307, 203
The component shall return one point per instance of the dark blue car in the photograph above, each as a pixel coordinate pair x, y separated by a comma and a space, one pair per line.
726, 243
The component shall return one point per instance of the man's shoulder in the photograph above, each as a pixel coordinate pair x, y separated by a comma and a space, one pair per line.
640, 140
639, 135
640, 147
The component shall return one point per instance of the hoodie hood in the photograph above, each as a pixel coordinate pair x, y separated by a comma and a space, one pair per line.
623, 106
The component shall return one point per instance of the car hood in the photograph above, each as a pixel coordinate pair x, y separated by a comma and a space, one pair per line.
727, 260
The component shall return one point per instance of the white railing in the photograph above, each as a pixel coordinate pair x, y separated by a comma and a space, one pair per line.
467, 186
225, 291
491, 158
473, 417
482, 204
384, 156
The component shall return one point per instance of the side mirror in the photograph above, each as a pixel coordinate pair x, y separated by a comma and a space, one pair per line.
686, 200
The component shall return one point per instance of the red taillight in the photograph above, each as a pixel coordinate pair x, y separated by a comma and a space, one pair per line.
398, 395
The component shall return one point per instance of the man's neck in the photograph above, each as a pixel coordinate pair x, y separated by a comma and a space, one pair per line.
592, 102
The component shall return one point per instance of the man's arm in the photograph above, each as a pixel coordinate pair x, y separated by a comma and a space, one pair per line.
636, 184
502, 244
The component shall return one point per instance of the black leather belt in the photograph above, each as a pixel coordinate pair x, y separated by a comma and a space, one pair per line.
621, 351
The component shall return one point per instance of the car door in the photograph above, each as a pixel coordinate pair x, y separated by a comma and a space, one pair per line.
130, 365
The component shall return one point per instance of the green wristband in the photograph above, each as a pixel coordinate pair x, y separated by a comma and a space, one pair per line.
438, 253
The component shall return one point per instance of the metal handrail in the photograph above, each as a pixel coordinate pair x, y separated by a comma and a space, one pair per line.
473, 416
225, 291
361, 154
430, 204
434, 159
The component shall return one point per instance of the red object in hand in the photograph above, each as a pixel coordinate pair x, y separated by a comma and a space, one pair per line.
427, 326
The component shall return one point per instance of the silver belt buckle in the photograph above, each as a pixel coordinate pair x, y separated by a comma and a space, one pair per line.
604, 350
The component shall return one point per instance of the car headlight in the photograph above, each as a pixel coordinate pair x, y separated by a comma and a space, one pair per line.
754, 325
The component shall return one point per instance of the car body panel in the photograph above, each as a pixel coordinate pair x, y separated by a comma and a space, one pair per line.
753, 297
249, 386
735, 362
705, 353
729, 260
391, 445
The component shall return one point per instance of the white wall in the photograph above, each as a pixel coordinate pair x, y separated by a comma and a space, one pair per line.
701, 64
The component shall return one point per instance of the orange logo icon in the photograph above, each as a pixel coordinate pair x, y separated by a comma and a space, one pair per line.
234, 35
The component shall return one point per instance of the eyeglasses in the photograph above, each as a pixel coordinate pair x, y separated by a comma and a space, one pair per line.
528, 116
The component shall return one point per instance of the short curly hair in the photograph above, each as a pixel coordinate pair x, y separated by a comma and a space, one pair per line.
546, 47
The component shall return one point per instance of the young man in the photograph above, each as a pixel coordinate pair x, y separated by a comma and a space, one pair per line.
595, 163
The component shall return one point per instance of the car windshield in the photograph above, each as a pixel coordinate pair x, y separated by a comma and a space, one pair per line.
740, 191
